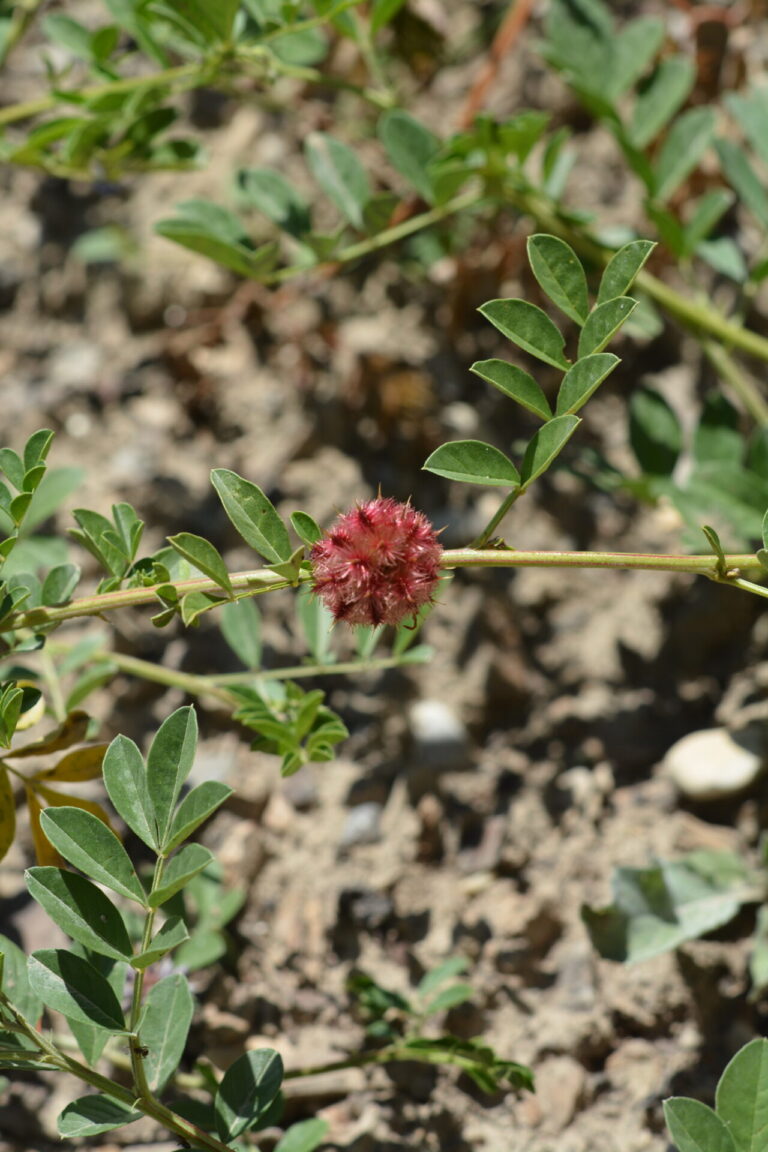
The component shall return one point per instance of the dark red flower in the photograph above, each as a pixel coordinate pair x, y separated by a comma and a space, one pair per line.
377, 564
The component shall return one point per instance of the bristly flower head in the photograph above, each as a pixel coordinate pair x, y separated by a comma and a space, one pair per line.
377, 564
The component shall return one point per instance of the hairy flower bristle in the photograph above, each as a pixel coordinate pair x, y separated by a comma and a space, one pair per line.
377, 564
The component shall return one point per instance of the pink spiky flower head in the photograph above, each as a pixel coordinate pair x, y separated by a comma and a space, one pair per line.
377, 564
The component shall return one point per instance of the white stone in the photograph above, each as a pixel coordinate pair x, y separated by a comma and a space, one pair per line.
715, 763
439, 736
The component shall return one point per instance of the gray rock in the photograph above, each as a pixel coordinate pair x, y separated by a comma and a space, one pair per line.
715, 763
362, 825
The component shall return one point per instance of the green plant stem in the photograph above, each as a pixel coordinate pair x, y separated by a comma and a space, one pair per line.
181, 74
497, 518
702, 565
189, 1132
216, 686
253, 582
262, 580
740, 383
23, 16
397, 232
171, 677
184, 76
749, 586
137, 1057
402, 1053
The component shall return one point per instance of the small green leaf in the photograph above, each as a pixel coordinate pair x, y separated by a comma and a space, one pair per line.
13, 466
603, 323
583, 379
171, 935
163, 1028
305, 1136
204, 556
125, 778
241, 628
654, 432
7, 801
687, 140
528, 327
180, 868
91, 1040
515, 383
383, 12
758, 960
85, 841
214, 22
751, 111
73, 987
656, 909
667, 91
724, 255
632, 51
714, 542
433, 979
340, 174
276, 197
197, 806
307, 530
81, 909
317, 625
59, 584
253, 515
696, 1128
169, 762
32, 477
708, 210
448, 998
560, 275
718, 438
410, 147
37, 448
473, 462
14, 981
214, 232
743, 178
545, 445
622, 269
741, 1099
90, 1115
195, 604
246, 1091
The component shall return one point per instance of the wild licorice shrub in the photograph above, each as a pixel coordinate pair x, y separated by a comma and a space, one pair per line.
122, 82
378, 564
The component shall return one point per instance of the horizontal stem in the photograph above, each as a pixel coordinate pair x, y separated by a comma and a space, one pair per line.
24, 111
383, 239
216, 686
256, 581
262, 580
702, 565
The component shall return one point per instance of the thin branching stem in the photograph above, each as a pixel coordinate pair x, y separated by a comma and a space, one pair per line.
259, 581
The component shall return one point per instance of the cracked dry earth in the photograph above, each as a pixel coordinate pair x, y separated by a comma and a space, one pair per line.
481, 799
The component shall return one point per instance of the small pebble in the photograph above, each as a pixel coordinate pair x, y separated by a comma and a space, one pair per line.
362, 825
439, 736
715, 763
